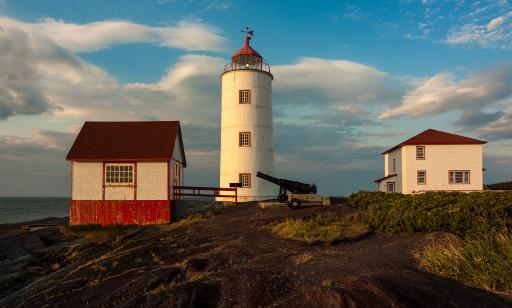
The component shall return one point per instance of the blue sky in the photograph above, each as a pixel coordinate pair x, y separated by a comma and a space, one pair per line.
351, 79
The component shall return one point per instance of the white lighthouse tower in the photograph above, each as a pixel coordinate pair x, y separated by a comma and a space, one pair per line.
247, 144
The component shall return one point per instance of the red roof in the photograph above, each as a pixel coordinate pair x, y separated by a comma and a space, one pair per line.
151, 140
432, 136
246, 50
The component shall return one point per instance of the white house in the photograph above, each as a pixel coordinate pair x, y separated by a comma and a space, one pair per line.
125, 172
433, 161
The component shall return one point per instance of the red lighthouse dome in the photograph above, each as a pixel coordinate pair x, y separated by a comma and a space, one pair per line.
246, 58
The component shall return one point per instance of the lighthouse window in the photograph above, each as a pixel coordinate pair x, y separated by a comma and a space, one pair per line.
245, 97
119, 174
244, 139
245, 179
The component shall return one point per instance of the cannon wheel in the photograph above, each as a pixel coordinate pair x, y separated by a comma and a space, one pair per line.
294, 203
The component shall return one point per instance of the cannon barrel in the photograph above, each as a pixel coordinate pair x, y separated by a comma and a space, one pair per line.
292, 186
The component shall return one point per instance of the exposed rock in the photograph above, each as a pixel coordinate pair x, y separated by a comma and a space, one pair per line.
224, 258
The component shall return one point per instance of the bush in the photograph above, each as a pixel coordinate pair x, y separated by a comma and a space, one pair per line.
321, 228
464, 214
500, 186
484, 263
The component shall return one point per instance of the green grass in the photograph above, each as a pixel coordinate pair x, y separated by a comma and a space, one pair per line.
484, 263
320, 228
465, 214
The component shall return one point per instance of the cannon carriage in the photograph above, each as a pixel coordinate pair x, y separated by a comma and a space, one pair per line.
296, 193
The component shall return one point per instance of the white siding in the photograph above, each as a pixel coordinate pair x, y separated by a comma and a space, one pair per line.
256, 118
397, 156
87, 180
119, 193
177, 155
439, 159
152, 181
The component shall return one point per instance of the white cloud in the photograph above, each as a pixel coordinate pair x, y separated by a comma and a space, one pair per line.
495, 23
443, 92
188, 35
495, 34
315, 80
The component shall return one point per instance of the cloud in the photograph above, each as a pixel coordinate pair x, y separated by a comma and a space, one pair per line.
443, 92
187, 35
72, 91
33, 167
495, 34
499, 128
495, 23
315, 80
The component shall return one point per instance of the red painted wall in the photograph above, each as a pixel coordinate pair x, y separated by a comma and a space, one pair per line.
107, 212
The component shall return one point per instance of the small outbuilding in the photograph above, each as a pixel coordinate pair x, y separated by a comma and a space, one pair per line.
125, 172
433, 161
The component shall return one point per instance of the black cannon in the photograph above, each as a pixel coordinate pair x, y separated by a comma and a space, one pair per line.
285, 186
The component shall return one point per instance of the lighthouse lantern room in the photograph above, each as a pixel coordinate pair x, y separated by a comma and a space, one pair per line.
246, 124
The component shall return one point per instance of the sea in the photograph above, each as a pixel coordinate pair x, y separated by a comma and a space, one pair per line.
14, 209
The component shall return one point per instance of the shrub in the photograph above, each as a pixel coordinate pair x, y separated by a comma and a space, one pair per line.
484, 263
500, 186
320, 228
464, 214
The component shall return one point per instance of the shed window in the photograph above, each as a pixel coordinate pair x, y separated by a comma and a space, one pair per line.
459, 177
245, 97
390, 186
245, 179
421, 176
420, 152
244, 139
119, 174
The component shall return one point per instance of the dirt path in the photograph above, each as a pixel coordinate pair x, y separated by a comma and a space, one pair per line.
229, 258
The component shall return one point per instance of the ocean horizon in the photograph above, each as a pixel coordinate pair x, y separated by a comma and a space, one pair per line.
21, 209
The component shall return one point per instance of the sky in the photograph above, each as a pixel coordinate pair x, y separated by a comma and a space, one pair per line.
351, 79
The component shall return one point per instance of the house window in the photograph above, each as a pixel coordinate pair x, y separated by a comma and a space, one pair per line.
119, 174
394, 165
390, 186
245, 179
459, 177
244, 139
245, 97
420, 152
421, 176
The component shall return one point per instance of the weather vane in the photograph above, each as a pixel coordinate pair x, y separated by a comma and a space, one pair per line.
248, 31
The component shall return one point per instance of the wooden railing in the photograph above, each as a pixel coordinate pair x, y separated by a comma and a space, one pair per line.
196, 191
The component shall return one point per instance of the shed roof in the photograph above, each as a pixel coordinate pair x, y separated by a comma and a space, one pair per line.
146, 140
432, 136
385, 178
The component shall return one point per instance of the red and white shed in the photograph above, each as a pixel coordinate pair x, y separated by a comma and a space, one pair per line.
125, 172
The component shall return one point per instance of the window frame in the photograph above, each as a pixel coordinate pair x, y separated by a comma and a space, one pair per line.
424, 150
131, 174
466, 175
240, 134
244, 100
424, 177
390, 183
241, 179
